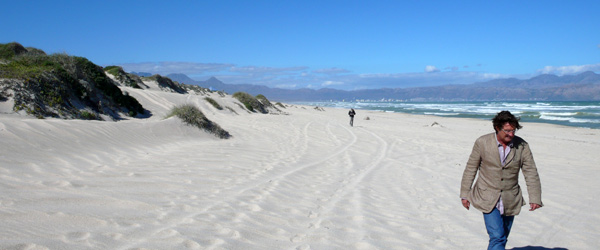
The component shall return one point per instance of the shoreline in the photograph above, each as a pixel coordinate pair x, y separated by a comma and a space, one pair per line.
566, 113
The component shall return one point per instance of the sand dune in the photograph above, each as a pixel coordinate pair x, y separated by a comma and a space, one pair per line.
301, 180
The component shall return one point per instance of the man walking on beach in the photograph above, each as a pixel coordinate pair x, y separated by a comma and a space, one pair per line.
499, 157
351, 113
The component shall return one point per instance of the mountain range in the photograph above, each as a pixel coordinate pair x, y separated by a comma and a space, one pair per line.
581, 87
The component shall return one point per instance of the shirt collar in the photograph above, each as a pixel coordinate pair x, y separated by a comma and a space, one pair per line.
500, 144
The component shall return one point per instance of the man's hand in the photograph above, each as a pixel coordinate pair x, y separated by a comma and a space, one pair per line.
466, 203
534, 206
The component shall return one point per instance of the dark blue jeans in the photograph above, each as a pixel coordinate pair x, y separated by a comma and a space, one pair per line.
498, 227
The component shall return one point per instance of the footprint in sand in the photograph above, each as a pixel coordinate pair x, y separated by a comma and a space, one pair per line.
238, 217
314, 225
303, 247
167, 233
56, 183
114, 236
78, 236
357, 218
190, 244
298, 238
293, 211
5, 203
363, 245
216, 241
31, 246
188, 221
79, 185
254, 208
229, 232
279, 231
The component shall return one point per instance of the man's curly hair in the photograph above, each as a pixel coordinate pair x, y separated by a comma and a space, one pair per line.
503, 117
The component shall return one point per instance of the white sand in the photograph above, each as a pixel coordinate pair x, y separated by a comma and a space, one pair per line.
306, 180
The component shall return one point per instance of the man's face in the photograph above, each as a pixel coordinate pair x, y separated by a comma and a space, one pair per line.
506, 133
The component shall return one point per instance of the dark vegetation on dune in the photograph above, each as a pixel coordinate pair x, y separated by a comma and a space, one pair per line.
129, 80
60, 85
72, 87
213, 103
260, 103
192, 116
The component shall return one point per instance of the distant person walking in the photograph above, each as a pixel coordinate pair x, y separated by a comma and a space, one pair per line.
351, 113
499, 157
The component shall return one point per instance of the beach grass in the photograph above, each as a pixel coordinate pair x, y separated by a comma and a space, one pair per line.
191, 115
250, 102
214, 103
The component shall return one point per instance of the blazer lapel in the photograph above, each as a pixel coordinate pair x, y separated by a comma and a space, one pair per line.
510, 156
494, 149
514, 145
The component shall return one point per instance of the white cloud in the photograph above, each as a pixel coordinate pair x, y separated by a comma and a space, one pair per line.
304, 77
165, 68
331, 71
255, 69
286, 86
490, 76
569, 70
430, 69
329, 83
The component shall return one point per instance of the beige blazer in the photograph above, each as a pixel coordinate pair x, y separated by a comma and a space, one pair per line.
494, 179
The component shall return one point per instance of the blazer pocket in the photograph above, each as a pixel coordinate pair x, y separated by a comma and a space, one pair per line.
516, 190
482, 193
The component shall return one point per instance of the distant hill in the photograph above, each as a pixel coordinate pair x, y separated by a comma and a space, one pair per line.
544, 81
181, 78
142, 74
581, 87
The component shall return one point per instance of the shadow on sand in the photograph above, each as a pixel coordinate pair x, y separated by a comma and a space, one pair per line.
539, 248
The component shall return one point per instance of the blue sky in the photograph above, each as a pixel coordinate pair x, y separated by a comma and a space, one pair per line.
318, 44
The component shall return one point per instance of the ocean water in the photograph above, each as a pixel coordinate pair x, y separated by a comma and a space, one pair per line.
575, 114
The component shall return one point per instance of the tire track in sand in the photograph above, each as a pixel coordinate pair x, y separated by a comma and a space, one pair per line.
262, 186
343, 203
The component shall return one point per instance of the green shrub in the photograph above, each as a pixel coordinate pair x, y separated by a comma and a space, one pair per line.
48, 85
167, 83
197, 89
263, 99
191, 115
213, 102
28, 66
113, 70
120, 75
96, 74
88, 115
9, 50
250, 102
